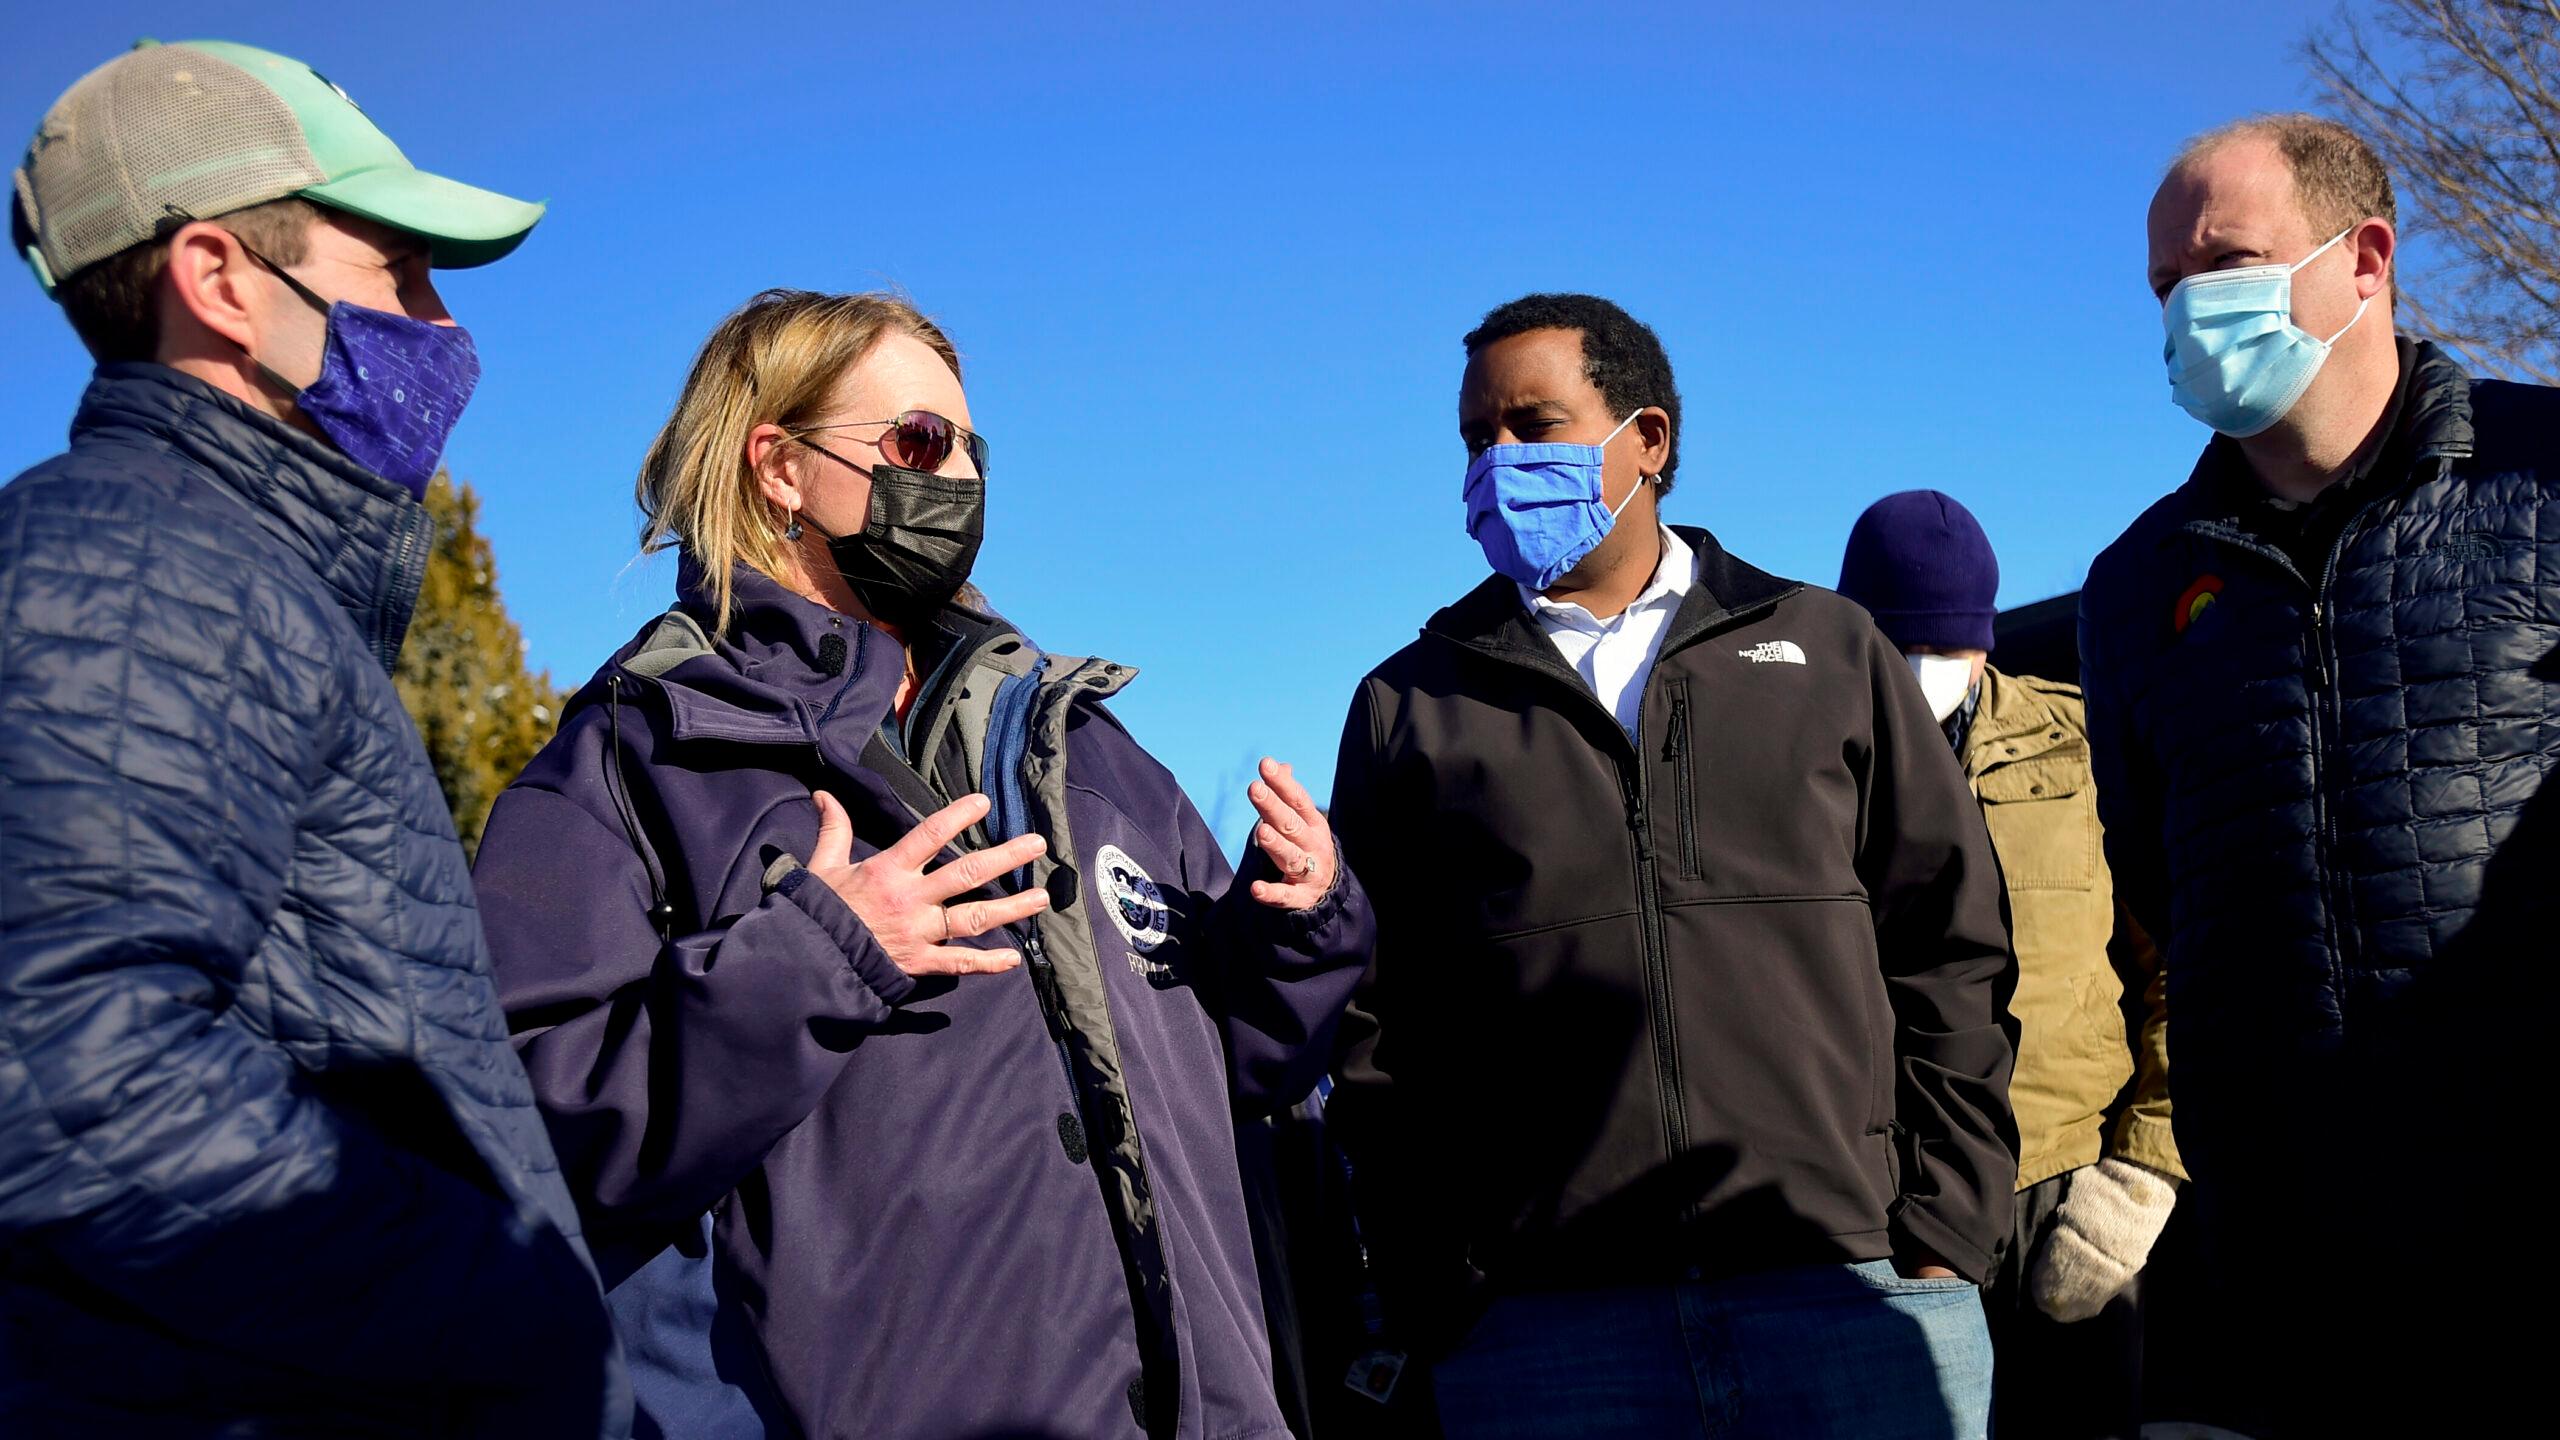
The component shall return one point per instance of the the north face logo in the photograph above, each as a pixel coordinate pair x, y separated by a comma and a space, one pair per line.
1774, 652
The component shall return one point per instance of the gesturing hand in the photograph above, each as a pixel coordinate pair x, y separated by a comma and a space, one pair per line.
902, 906
1295, 835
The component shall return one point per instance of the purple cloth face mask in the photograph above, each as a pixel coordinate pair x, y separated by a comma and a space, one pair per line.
390, 387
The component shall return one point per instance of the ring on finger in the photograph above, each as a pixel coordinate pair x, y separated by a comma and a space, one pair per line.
1305, 867
945, 912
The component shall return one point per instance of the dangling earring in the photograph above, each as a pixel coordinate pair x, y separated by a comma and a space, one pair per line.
792, 530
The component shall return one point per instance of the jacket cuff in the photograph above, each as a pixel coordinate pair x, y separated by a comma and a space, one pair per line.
1300, 930
827, 910
2147, 1141
1913, 1227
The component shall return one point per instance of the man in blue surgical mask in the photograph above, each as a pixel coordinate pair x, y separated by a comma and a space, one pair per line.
1677, 1091
2323, 702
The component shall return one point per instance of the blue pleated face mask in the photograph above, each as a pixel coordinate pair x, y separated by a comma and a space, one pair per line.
2237, 361
1538, 509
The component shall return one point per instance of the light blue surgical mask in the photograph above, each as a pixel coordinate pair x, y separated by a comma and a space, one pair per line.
2237, 361
1538, 509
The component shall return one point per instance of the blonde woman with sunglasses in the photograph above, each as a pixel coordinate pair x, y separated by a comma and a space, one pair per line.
888, 1004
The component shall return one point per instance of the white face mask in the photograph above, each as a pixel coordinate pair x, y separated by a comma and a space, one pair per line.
1945, 680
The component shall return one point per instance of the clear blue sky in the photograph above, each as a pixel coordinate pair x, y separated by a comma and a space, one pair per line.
1208, 266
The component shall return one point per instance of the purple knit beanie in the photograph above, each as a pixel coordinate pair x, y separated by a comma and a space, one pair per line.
1921, 565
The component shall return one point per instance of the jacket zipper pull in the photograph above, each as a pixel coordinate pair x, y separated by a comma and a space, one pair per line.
2319, 647
1677, 741
1044, 978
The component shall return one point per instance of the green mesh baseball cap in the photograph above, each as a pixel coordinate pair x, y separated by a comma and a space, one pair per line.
165, 134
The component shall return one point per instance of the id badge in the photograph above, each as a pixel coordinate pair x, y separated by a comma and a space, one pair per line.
1374, 1374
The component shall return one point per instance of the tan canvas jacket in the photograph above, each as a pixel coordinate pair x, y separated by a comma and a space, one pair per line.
2093, 1069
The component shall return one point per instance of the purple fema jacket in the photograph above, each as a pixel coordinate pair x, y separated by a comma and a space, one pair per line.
835, 1200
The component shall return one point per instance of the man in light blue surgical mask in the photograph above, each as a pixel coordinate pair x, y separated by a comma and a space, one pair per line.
2323, 703
1689, 1013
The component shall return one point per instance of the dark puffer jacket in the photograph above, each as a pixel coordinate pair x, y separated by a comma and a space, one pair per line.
2325, 794
267, 1164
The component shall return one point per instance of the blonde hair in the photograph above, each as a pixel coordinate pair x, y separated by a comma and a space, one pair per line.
776, 361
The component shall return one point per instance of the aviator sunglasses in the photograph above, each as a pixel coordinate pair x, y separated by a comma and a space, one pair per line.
917, 440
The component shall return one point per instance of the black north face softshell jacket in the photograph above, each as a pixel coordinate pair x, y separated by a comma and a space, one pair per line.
1727, 996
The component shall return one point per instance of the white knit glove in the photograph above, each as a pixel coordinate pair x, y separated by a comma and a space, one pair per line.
2103, 1230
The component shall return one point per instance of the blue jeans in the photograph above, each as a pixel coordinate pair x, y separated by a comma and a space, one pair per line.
1849, 1351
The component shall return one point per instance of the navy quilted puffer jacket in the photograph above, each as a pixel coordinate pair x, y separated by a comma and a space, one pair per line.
2326, 793
267, 1164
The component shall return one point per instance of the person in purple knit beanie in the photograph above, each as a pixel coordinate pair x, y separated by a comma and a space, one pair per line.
2098, 1170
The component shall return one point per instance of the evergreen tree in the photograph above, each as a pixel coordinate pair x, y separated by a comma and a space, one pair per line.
462, 674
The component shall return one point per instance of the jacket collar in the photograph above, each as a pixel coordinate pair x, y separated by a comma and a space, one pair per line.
365, 537
2433, 425
785, 665
788, 641
786, 671
2437, 413
1672, 577
2008, 710
1489, 618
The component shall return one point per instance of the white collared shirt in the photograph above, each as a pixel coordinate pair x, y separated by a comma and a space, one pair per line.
1614, 656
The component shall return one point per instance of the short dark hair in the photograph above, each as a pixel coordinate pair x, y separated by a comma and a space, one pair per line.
113, 304
1620, 354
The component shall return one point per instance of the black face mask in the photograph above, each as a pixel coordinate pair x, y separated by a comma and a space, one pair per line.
916, 551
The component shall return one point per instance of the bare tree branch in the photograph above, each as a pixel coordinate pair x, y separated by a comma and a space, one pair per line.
2461, 98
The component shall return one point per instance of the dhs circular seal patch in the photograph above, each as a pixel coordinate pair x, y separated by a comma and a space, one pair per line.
1137, 907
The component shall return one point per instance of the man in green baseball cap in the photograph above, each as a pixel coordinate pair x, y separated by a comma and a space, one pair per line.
267, 1162
208, 205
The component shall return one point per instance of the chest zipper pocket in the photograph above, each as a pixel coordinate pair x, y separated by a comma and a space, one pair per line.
1684, 773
